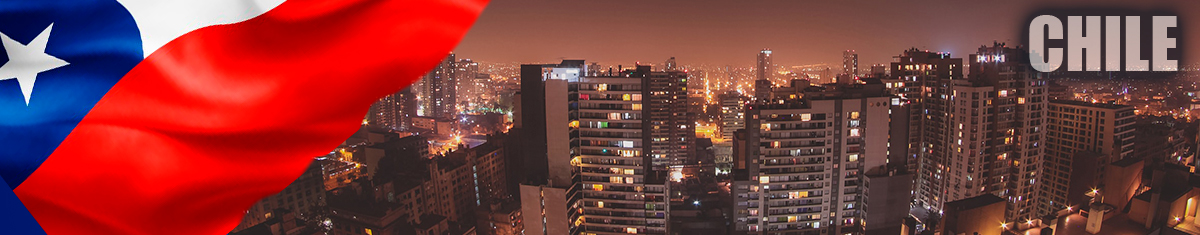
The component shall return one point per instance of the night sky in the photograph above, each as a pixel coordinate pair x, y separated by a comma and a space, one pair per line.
731, 32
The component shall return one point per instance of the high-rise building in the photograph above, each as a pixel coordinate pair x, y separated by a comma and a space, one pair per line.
985, 134
850, 63
303, 198
596, 175
672, 127
1075, 127
438, 90
801, 165
733, 113
670, 65
765, 67
465, 72
394, 112
911, 72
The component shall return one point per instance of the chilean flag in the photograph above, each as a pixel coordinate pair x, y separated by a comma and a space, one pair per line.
174, 116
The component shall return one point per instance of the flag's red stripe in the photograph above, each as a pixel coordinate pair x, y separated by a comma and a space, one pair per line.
225, 115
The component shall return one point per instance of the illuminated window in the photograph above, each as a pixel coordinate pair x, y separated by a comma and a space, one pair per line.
600, 204
597, 187
627, 144
854, 132
853, 115
1004, 93
637, 97
1021, 100
614, 116
602, 125
631, 230
602, 87
626, 97
775, 144
628, 171
764, 179
584, 96
574, 124
852, 158
806, 117
637, 106
791, 218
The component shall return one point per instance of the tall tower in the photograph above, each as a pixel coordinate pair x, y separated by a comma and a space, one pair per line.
808, 157
601, 145
912, 72
672, 128
394, 111
850, 63
765, 67
438, 90
985, 134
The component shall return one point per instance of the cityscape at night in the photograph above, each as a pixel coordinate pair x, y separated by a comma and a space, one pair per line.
762, 117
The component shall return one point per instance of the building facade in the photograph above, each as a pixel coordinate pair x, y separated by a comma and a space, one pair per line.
438, 90
600, 141
801, 164
1075, 127
985, 134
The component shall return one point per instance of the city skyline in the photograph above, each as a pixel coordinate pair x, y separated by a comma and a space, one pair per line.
726, 33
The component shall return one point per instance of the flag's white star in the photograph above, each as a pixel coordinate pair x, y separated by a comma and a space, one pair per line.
25, 61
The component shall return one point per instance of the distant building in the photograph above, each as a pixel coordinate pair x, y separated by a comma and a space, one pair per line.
850, 63
910, 74
1059, 92
433, 125
394, 112
595, 140
283, 222
1074, 127
733, 113
438, 90
672, 127
500, 218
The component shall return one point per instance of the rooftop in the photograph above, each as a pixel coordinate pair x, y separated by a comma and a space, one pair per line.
974, 202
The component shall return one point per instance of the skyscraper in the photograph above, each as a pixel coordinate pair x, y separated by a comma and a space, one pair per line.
850, 63
984, 134
597, 174
672, 128
801, 165
394, 111
465, 72
765, 67
733, 113
438, 90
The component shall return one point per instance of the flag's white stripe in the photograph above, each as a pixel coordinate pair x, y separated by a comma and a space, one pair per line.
161, 21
